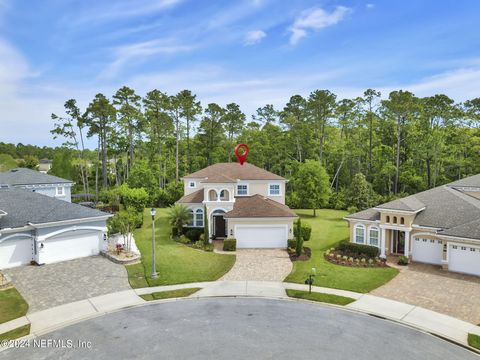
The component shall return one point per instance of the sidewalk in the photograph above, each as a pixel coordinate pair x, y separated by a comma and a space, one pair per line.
442, 325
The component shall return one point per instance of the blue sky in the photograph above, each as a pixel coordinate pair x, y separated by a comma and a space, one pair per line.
252, 52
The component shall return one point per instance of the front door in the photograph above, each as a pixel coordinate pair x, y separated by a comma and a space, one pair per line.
219, 230
398, 242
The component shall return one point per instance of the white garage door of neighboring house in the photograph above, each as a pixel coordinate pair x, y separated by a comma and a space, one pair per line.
427, 251
15, 252
70, 246
464, 259
262, 236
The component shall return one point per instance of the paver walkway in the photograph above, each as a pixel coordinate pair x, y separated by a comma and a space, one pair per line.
432, 288
51, 285
260, 265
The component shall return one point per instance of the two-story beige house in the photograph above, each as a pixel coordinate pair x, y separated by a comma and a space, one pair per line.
439, 226
243, 202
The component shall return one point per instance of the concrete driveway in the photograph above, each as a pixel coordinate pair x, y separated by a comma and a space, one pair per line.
229, 328
432, 288
260, 265
55, 284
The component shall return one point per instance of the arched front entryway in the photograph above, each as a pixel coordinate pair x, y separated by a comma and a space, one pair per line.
219, 226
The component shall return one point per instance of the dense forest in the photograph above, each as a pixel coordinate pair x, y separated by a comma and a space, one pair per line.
401, 143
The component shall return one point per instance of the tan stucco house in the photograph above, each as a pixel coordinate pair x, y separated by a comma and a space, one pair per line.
243, 202
439, 226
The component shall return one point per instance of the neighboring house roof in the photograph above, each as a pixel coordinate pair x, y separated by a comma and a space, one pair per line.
24, 207
231, 172
450, 208
258, 206
193, 198
24, 176
409, 203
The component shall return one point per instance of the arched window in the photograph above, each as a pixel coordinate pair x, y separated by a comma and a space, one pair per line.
212, 195
199, 218
388, 219
394, 219
360, 234
373, 236
191, 222
224, 195
402, 221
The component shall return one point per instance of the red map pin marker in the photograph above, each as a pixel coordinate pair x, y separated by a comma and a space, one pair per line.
241, 157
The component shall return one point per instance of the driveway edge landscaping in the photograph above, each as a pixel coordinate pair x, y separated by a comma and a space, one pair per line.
443, 326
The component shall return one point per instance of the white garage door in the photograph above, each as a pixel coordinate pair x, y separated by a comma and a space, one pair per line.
265, 236
464, 259
71, 246
15, 252
427, 251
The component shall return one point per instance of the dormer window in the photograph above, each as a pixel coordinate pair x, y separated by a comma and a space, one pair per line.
394, 219
242, 189
224, 195
192, 184
274, 190
387, 219
60, 191
402, 221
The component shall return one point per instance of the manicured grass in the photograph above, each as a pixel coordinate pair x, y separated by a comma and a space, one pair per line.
328, 228
321, 297
176, 263
474, 341
12, 305
169, 294
16, 333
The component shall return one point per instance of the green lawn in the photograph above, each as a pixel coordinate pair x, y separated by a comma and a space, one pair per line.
328, 229
16, 333
474, 341
176, 263
169, 294
321, 297
12, 305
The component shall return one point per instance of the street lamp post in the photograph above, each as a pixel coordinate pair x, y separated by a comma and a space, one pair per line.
154, 266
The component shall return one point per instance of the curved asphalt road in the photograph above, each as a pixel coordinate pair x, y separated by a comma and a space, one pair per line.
242, 328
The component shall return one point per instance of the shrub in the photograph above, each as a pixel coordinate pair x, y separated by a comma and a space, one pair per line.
345, 258
198, 245
292, 243
194, 234
358, 249
305, 230
350, 259
299, 244
208, 247
370, 261
176, 233
402, 260
352, 209
339, 256
229, 245
363, 260
184, 240
201, 238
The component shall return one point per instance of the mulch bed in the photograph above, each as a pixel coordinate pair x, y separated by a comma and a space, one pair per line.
341, 261
306, 254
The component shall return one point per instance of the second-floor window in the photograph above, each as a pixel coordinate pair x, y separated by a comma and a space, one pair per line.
60, 191
274, 189
242, 189
191, 184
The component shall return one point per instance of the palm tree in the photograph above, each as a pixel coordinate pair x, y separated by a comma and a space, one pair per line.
179, 215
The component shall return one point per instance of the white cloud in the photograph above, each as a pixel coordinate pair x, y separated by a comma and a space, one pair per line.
315, 19
139, 52
254, 37
370, 6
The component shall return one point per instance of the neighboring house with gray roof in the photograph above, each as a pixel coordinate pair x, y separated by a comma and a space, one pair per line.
36, 228
439, 226
243, 202
37, 181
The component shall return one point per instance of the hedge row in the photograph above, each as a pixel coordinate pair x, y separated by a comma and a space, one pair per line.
358, 249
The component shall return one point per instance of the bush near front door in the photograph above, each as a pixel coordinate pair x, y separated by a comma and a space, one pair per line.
229, 245
352, 249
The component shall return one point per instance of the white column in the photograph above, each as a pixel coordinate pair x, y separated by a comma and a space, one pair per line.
407, 243
382, 244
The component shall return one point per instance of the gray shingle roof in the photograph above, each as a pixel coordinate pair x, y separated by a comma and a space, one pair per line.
369, 214
471, 181
468, 230
23, 207
409, 203
23, 176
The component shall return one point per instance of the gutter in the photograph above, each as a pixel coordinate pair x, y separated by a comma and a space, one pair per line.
69, 222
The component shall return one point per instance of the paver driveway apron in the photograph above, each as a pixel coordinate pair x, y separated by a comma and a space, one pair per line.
432, 288
50, 285
260, 265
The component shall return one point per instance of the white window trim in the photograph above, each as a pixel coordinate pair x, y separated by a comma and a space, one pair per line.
57, 193
190, 184
199, 211
248, 190
363, 227
370, 228
279, 189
